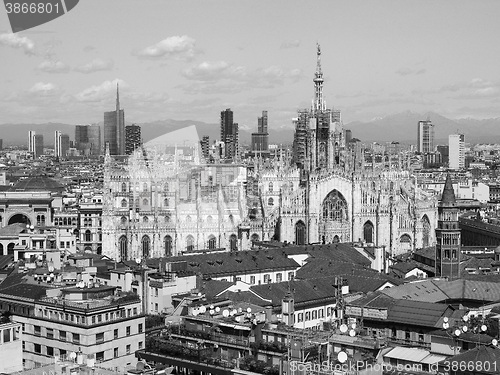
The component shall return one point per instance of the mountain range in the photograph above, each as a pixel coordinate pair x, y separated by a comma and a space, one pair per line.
401, 127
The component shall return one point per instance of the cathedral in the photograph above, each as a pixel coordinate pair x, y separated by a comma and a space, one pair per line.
166, 200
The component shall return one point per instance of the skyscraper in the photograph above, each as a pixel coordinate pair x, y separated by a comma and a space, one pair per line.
260, 140
229, 134
456, 151
425, 136
448, 252
114, 128
31, 142
205, 147
133, 138
38, 145
61, 144
88, 139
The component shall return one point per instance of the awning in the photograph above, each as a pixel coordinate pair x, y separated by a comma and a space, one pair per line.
433, 358
408, 354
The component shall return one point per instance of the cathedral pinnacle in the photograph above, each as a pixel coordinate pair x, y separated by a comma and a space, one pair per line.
319, 104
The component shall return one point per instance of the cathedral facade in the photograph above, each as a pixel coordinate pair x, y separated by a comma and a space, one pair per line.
166, 200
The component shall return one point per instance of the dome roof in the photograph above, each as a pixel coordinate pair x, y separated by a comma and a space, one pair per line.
38, 183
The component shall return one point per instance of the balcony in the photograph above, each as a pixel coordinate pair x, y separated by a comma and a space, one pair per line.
408, 342
215, 337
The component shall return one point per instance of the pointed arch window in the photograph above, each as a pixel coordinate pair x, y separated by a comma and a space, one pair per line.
189, 243
233, 242
123, 248
146, 246
168, 246
212, 242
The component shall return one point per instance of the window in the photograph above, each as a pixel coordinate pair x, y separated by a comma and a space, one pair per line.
116, 333
123, 204
212, 242
127, 349
145, 202
270, 202
189, 243
6, 335
308, 316
290, 276
252, 280
50, 333
99, 338
300, 317
76, 338
314, 315
233, 242
62, 335
38, 348
50, 351
115, 353
279, 277
267, 278
99, 356
38, 330
156, 307
146, 245
140, 328
128, 331
140, 345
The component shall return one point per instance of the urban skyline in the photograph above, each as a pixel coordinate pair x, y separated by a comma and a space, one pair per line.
186, 73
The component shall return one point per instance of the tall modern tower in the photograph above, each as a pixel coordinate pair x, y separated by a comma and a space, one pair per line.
425, 136
57, 144
31, 142
456, 153
133, 138
229, 134
88, 139
114, 128
260, 140
38, 145
448, 251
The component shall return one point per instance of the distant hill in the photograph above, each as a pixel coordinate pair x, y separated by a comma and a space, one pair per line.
401, 127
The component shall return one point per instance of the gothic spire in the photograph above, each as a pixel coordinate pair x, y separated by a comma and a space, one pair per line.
319, 104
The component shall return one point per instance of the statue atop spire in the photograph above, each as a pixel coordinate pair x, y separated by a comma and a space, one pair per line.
318, 65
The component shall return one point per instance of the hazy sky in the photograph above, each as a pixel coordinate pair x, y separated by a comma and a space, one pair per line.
192, 59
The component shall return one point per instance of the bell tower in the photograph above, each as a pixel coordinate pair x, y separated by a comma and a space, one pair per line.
448, 254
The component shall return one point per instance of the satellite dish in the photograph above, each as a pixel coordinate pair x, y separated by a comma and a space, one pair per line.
457, 332
484, 328
235, 312
225, 313
203, 310
195, 312
72, 355
240, 310
32, 227
353, 325
212, 312
352, 333
445, 319
211, 307
343, 328
138, 260
446, 325
249, 310
465, 318
465, 328
342, 357
494, 342
217, 309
